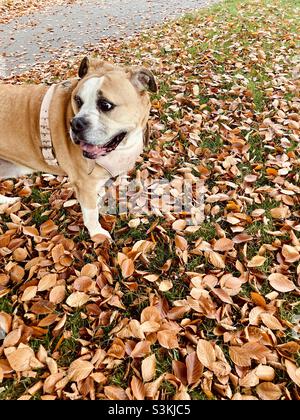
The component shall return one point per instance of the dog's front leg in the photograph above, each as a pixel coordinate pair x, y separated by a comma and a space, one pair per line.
87, 197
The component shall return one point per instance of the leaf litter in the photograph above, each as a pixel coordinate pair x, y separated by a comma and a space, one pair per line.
171, 311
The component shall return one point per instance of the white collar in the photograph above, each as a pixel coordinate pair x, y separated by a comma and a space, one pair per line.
45, 132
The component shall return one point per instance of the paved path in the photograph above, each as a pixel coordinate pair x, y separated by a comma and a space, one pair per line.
41, 36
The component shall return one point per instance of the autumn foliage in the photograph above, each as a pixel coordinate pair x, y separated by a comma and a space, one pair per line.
170, 310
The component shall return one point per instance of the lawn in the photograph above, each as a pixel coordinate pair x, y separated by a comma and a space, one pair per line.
172, 310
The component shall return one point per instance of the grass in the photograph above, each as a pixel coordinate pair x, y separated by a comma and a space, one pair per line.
221, 59
6, 305
39, 196
13, 390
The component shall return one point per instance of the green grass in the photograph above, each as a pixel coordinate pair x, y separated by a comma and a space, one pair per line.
118, 377
134, 302
37, 216
206, 231
13, 390
39, 196
6, 305
213, 143
221, 59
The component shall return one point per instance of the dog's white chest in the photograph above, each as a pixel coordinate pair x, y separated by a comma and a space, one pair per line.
123, 158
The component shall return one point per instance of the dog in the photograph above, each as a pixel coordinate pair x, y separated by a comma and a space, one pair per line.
98, 120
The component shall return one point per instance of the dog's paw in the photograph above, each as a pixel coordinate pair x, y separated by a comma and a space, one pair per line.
101, 237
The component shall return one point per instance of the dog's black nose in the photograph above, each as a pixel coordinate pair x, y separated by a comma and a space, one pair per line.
79, 124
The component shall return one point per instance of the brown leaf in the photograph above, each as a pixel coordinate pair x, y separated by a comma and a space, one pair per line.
151, 313
57, 252
152, 388
127, 268
149, 368
137, 388
48, 320
206, 353
12, 338
57, 294
77, 299
47, 227
239, 356
256, 261
165, 285
168, 339
290, 253
271, 322
223, 244
47, 282
29, 293
79, 370
150, 327
194, 368
179, 369
83, 284
223, 295
258, 299
293, 371
117, 349
20, 254
141, 349
179, 225
265, 373
242, 356
216, 259
5, 323
281, 283
20, 359
280, 212
113, 392
249, 380
268, 391
181, 243
30, 231
89, 270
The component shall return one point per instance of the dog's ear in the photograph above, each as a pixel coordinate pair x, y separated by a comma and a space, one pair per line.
84, 68
143, 79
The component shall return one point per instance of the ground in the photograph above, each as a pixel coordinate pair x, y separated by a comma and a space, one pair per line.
172, 310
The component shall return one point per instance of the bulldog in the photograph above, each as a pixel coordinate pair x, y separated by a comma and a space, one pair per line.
89, 128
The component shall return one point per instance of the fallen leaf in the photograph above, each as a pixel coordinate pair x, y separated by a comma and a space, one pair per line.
194, 368
79, 370
206, 353
77, 299
281, 283
168, 339
138, 389
149, 368
20, 359
268, 391
256, 261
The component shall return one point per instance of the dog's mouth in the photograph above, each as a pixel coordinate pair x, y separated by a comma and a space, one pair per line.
92, 151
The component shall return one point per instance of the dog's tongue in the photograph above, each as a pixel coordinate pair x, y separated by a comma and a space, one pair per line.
93, 149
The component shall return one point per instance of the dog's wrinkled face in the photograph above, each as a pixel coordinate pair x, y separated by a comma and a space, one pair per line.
109, 103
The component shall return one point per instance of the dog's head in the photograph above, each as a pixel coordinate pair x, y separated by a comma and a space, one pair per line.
109, 103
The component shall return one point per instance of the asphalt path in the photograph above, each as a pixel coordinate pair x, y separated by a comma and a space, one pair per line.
56, 30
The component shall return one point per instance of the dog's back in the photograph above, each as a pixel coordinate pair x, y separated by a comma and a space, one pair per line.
19, 121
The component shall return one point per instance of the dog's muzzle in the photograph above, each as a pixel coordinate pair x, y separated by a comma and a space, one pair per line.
92, 151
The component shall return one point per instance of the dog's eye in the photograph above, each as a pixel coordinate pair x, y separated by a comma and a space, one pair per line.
104, 105
78, 101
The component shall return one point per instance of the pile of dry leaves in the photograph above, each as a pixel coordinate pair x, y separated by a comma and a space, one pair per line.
10, 9
172, 311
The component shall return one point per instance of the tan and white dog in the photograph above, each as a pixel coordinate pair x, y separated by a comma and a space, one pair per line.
100, 117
